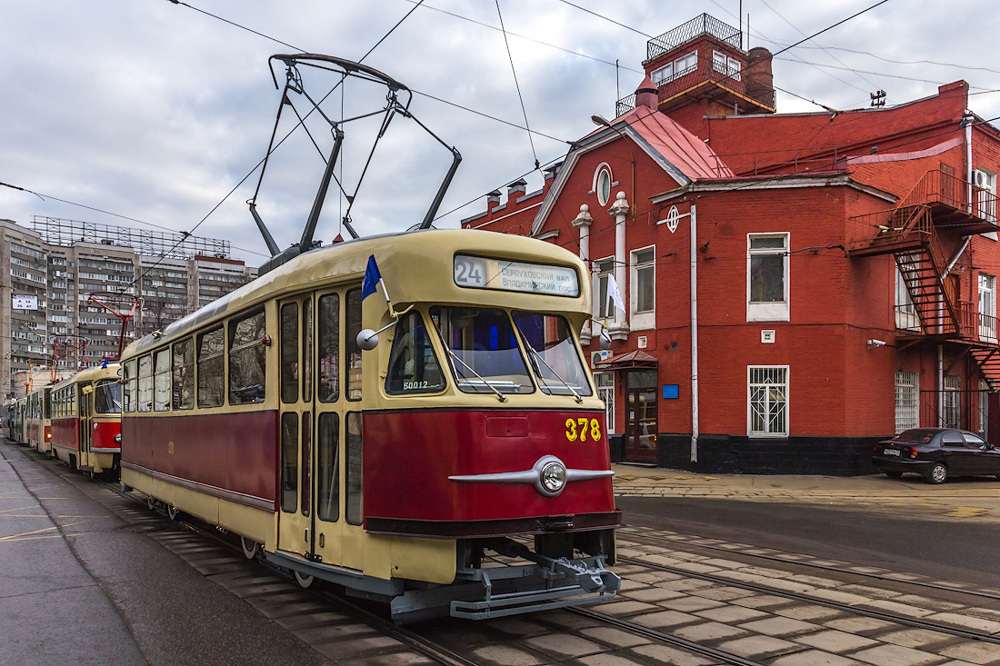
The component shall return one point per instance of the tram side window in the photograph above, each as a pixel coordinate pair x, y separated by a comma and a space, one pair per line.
328, 474
354, 351
289, 462
413, 367
161, 380
211, 368
108, 397
307, 350
329, 347
47, 405
289, 352
354, 481
183, 381
247, 357
130, 396
145, 383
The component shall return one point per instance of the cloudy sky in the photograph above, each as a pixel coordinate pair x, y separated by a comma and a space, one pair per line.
151, 114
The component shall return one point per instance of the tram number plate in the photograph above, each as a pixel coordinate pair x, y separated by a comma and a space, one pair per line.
582, 429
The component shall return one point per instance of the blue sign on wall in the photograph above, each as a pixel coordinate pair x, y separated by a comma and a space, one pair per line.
670, 391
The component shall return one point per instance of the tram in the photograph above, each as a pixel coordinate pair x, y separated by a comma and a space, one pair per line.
37, 420
86, 420
14, 420
443, 451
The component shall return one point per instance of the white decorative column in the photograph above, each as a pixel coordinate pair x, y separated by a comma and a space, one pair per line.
619, 329
583, 222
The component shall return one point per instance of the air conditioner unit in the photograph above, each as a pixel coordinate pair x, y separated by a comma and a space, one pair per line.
599, 356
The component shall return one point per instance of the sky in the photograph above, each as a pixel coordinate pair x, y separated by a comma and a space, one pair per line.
155, 115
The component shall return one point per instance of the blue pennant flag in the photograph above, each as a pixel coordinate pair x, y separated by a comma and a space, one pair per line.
105, 364
372, 278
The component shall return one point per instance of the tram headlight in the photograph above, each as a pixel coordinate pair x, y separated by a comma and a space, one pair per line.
118, 438
553, 477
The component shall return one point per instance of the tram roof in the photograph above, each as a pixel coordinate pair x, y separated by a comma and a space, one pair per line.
91, 374
416, 267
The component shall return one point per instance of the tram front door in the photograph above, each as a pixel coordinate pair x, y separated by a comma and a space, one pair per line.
85, 421
640, 416
320, 428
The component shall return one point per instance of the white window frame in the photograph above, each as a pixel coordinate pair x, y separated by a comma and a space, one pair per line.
646, 319
768, 387
907, 400
906, 312
663, 74
602, 197
986, 206
771, 310
686, 64
603, 269
951, 411
987, 308
605, 382
984, 408
724, 64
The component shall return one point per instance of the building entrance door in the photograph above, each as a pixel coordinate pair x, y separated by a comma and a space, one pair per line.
640, 416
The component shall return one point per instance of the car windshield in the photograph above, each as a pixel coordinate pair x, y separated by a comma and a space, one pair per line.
915, 436
482, 350
552, 353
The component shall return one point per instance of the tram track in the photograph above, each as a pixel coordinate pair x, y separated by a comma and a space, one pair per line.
851, 609
695, 543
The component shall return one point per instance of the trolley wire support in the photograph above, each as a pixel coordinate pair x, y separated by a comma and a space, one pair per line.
294, 88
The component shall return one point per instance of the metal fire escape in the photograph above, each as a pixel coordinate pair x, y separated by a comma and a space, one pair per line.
923, 233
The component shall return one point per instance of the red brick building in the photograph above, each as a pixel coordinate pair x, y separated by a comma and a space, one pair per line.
795, 286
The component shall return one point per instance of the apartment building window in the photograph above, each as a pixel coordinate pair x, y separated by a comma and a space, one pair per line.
767, 277
984, 408
952, 412
906, 311
767, 401
987, 308
643, 292
907, 401
675, 69
606, 391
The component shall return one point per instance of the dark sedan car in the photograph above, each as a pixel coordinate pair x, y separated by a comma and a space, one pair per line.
936, 454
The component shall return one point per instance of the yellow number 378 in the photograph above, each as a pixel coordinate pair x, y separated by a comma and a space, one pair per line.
577, 429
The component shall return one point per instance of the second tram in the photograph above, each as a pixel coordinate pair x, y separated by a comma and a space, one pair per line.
86, 420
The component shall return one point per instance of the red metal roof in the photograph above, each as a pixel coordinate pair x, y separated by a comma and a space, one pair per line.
676, 145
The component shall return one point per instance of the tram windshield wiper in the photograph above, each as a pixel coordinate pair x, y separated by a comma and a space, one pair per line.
470, 383
537, 358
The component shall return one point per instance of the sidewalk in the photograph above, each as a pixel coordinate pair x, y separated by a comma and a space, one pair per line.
960, 498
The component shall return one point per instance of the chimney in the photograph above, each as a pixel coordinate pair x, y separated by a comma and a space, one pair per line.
519, 186
758, 76
646, 94
493, 198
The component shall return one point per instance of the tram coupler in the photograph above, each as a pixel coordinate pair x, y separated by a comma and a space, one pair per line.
589, 573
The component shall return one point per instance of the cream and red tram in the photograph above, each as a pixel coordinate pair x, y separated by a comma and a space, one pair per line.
86, 420
38, 423
460, 465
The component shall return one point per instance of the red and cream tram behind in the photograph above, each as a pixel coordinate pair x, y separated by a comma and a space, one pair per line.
86, 420
38, 423
444, 451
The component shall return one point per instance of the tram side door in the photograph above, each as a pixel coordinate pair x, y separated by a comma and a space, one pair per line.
295, 428
85, 421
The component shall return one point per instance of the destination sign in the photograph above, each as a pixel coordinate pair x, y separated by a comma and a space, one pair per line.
483, 273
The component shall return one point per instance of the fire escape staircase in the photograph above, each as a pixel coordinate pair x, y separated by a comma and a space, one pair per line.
911, 232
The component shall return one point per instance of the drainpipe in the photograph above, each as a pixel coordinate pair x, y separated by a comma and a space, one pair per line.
940, 381
967, 119
694, 335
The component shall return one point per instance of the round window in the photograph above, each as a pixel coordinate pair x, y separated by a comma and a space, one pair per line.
603, 186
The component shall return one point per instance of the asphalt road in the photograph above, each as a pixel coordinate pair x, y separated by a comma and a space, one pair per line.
960, 551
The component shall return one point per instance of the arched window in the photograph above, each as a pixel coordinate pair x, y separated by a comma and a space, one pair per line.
602, 184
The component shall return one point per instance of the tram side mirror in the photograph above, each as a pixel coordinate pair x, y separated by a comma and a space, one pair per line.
367, 339
605, 342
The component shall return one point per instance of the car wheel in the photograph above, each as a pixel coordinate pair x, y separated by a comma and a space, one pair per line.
893, 475
937, 474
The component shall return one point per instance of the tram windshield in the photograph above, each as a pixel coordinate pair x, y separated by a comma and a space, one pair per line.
482, 350
108, 397
552, 353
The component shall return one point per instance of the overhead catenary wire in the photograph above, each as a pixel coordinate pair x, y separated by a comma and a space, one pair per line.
517, 85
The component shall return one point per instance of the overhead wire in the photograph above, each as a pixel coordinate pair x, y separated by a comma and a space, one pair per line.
517, 85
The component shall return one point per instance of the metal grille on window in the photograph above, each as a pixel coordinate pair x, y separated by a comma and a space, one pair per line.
768, 401
952, 412
907, 401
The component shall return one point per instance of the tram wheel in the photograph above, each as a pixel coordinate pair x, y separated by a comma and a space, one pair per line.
250, 548
172, 512
151, 503
303, 580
